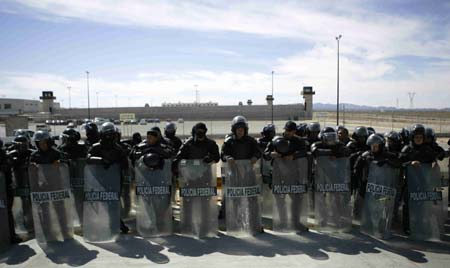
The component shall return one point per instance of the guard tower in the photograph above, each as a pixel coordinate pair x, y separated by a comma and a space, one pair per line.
308, 94
47, 101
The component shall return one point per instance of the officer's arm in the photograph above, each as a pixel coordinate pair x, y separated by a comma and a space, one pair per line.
316, 151
256, 152
214, 151
226, 151
267, 155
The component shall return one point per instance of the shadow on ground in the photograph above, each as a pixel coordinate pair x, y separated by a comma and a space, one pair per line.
129, 246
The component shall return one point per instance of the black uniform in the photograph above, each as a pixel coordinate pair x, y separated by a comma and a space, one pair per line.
239, 149
74, 150
297, 148
48, 157
205, 149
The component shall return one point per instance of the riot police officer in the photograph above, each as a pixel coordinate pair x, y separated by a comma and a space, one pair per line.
393, 142
110, 153
5, 168
153, 144
416, 153
296, 148
267, 134
343, 134
92, 134
312, 133
239, 145
376, 153
329, 145
46, 153
170, 131
199, 146
70, 146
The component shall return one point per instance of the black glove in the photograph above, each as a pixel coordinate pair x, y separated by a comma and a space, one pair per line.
381, 163
207, 159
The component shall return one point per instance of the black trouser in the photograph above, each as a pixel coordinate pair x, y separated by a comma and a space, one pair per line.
10, 201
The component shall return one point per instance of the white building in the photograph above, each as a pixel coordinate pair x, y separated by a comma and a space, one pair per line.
19, 106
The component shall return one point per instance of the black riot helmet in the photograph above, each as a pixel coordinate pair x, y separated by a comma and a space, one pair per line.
268, 131
371, 130
281, 145
170, 129
405, 135
430, 136
153, 161
394, 141
360, 134
328, 136
27, 133
108, 133
239, 122
21, 142
417, 129
375, 139
313, 128
301, 129
199, 130
42, 135
72, 134
91, 129
136, 138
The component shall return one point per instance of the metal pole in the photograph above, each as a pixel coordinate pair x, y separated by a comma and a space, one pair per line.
89, 99
70, 103
337, 100
272, 97
96, 93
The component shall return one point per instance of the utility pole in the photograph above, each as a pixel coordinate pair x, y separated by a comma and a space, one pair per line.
89, 100
411, 99
272, 96
70, 104
338, 38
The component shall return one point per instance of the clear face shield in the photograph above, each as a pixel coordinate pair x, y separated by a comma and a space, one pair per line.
330, 138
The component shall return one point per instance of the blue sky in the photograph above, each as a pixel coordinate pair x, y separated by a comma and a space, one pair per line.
156, 51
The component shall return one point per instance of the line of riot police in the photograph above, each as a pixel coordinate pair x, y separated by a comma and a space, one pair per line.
306, 171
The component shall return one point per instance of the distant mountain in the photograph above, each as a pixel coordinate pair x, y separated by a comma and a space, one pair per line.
354, 107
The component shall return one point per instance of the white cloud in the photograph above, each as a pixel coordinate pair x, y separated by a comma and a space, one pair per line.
365, 33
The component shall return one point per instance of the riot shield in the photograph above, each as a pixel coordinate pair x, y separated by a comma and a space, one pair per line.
154, 209
23, 216
242, 197
4, 232
425, 201
101, 213
76, 171
51, 202
289, 188
263, 170
126, 195
379, 201
198, 193
333, 210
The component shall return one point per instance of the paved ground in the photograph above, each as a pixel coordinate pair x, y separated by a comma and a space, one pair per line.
269, 249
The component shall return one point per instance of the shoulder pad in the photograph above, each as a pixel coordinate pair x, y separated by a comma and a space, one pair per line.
366, 154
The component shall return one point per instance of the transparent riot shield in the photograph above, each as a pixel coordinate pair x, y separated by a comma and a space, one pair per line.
263, 170
425, 201
51, 202
379, 201
333, 210
76, 171
23, 216
289, 188
242, 197
154, 210
198, 193
101, 212
126, 194
4, 232
444, 165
